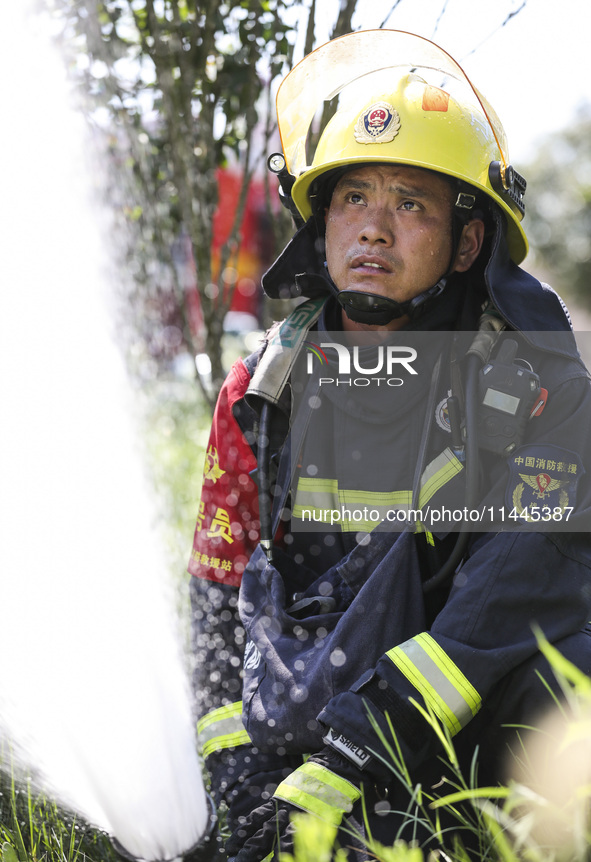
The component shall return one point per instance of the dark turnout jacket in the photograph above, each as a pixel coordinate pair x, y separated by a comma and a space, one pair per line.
292, 655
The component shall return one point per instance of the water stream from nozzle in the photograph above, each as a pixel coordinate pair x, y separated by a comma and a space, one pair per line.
93, 692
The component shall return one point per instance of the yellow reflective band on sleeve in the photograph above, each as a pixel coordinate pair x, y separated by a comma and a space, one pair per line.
317, 790
222, 728
438, 473
451, 696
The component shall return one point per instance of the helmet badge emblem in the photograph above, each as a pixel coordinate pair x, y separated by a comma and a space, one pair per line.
379, 124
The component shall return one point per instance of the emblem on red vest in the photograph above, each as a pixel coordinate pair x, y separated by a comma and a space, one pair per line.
212, 469
379, 124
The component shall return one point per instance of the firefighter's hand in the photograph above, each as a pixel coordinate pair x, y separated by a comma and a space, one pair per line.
265, 830
322, 787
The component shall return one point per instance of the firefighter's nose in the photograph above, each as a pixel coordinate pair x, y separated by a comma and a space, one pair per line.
377, 228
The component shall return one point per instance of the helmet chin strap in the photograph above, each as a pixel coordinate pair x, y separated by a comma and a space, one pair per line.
362, 306
374, 309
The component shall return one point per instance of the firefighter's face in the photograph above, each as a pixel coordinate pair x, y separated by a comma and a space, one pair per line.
388, 231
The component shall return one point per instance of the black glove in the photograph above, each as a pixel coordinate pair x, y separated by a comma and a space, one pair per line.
326, 786
266, 828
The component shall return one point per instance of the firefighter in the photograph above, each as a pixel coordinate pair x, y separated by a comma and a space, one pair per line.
369, 565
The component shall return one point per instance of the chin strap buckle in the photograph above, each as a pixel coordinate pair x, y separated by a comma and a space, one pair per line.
417, 305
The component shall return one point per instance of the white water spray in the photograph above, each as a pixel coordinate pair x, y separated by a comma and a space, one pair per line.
92, 686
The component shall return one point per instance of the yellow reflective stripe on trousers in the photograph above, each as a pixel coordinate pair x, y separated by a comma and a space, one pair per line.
452, 697
319, 791
222, 728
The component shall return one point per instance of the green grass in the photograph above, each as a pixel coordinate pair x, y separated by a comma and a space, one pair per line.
33, 828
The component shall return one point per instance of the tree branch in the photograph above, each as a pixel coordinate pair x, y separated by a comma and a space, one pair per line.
390, 13
309, 43
496, 30
344, 20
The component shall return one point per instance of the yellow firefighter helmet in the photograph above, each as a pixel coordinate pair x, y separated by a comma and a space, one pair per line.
395, 98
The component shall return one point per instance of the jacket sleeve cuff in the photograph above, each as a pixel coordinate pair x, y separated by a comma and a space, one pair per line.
318, 790
381, 721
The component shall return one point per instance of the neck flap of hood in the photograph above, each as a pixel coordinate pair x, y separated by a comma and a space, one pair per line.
528, 305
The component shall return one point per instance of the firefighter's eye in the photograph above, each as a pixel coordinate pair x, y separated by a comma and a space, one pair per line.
409, 206
354, 198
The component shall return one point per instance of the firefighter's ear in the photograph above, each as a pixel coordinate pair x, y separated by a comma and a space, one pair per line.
469, 245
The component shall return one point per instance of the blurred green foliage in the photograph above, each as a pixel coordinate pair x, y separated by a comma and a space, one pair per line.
175, 421
559, 209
